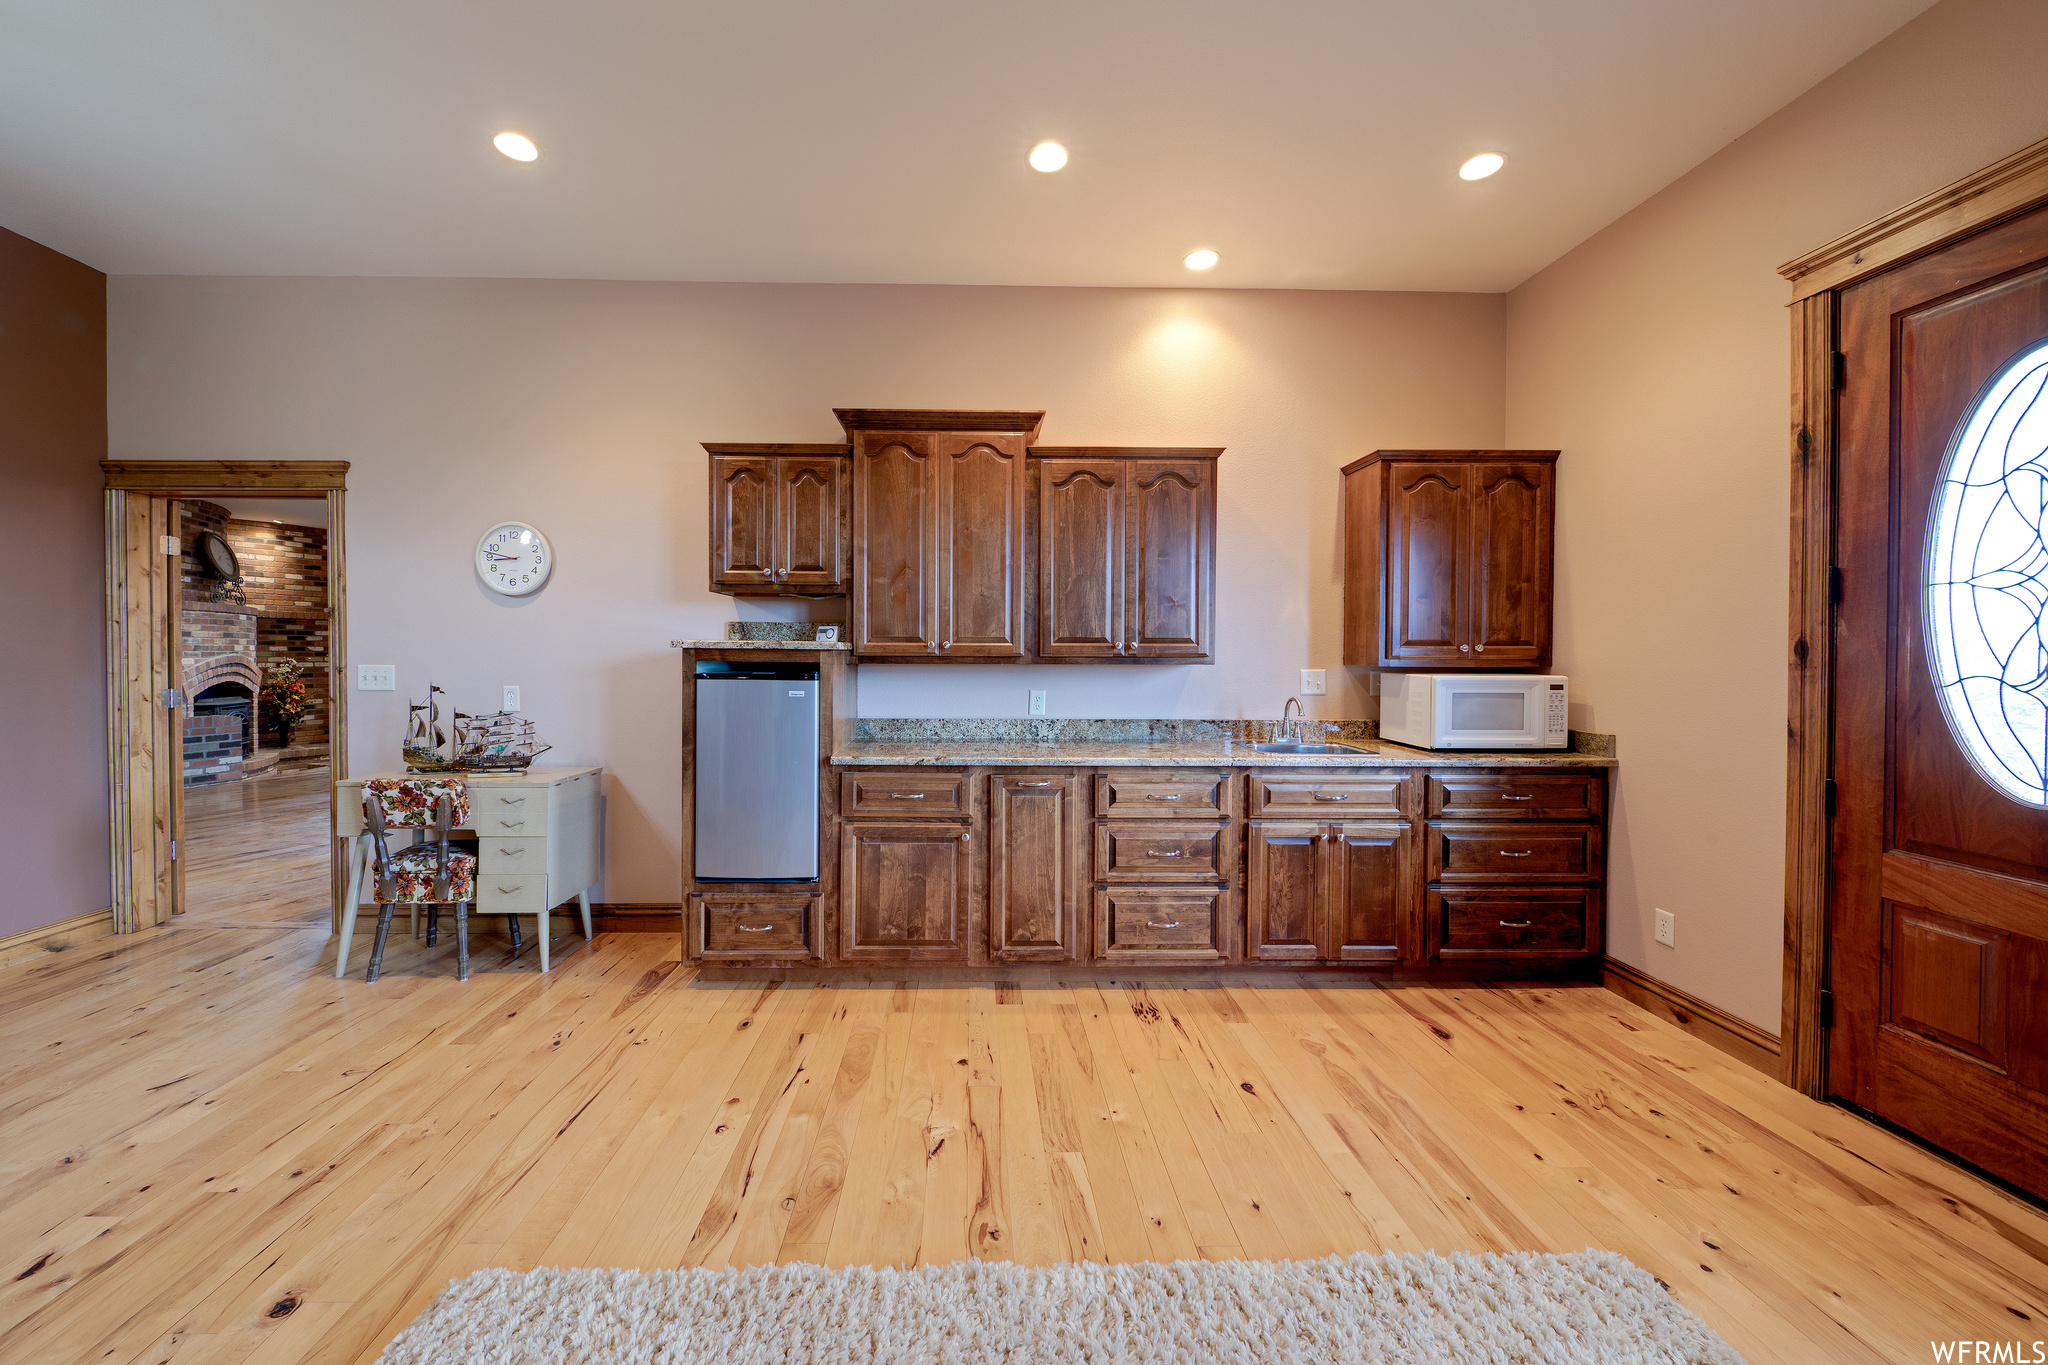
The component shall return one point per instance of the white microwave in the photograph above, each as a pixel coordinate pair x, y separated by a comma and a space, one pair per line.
1475, 710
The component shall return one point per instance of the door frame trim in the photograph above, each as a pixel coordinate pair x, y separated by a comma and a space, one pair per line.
2004, 190
299, 479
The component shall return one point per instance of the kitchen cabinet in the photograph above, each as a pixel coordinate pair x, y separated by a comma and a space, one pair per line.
1329, 892
780, 520
938, 533
1448, 559
1126, 553
1032, 867
903, 892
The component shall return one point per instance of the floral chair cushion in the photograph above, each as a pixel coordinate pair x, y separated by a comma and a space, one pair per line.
410, 800
413, 871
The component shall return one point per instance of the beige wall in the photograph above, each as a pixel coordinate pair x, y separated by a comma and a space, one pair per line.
579, 406
1657, 355
53, 697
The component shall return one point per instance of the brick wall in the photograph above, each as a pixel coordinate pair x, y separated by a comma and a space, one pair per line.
213, 749
284, 577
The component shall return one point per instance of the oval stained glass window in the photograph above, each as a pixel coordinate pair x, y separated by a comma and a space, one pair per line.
1987, 581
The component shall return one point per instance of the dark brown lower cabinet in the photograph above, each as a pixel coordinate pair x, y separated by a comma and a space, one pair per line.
746, 925
1331, 893
903, 892
1503, 921
1162, 923
1031, 867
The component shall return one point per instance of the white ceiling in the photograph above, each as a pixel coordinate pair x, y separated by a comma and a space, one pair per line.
1314, 143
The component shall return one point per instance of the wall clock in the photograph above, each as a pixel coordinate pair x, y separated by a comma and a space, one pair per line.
219, 556
514, 559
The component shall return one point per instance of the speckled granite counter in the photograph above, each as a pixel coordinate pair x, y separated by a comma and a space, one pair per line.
786, 645
942, 753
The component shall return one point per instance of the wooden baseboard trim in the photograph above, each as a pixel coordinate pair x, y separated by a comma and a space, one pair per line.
61, 937
1739, 1038
627, 918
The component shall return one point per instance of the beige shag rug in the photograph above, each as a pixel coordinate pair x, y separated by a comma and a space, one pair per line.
1594, 1306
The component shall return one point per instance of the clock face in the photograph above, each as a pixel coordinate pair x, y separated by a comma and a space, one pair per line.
514, 559
220, 556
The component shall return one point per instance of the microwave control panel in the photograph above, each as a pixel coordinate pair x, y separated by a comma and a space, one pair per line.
1556, 725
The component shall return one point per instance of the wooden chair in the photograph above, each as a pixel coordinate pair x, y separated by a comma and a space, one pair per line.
429, 873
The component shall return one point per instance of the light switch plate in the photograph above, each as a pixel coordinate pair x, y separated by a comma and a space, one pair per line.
1372, 684
1037, 702
1667, 928
376, 677
1312, 682
512, 698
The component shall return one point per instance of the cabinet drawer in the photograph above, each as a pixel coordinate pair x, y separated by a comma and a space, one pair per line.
501, 854
897, 796
1162, 851
511, 893
508, 810
1160, 922
1162, 796
753, 926
1477, 853
1538, 922
1302, 796
1520, 796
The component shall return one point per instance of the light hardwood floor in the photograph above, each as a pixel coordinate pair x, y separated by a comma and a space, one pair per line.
212, 1151
256, 851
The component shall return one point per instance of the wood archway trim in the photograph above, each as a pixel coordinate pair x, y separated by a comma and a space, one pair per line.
2003, 190
144, 759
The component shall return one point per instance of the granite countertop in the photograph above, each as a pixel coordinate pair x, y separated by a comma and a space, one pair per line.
820, 645
938, 753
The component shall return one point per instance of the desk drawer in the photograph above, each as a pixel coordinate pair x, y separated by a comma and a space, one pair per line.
1162, 923
1160, 851
515, 811
901, 795
1517, 796
1512, 922
1299, 796
1162, 796
511, 893
1476, 853
501, 854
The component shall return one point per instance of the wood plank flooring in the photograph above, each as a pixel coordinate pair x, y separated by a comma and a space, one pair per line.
255, 851
212, 1151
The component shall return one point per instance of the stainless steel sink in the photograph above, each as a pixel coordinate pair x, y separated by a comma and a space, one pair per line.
1308, 749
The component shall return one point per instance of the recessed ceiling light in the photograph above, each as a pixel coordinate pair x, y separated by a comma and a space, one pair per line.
1201, 260
1048, 156
517, 146
1481, 166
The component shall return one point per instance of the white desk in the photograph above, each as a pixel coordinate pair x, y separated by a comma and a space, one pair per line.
540, 842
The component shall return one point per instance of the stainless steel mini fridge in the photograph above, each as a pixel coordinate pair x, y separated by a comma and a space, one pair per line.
757, 772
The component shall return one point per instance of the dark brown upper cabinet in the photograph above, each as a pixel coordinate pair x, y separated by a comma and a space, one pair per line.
938, 532
779, 520
1126, 553
1448, 559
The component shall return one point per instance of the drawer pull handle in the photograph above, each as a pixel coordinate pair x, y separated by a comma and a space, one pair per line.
1162, 924
508, 890
511, 800
1162, 798
1320, 797
1046, 783
753, 928
1516, 923
1506, 797
512, 852
1510, 853
1167, 852
513, 824
906, 796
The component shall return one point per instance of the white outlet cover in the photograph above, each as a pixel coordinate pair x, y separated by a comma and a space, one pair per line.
1312, 684
1667, 928
1037, 702
376, 677
512, 698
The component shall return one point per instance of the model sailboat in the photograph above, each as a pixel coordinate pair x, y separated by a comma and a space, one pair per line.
429, 747
504, 742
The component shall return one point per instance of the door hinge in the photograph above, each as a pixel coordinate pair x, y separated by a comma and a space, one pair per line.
171, 698
1834, 585
1838, 370
1827, 797
1827, 1009
170, 545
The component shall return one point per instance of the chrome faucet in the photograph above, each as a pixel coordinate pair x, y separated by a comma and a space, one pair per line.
1290, 731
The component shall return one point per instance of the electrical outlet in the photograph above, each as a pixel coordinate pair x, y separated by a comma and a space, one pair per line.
1037, 701
1667, 928
1312, 682
512, 699
376, 677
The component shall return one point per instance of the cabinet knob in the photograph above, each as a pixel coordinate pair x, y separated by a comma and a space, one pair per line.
1464, 649
1480, 648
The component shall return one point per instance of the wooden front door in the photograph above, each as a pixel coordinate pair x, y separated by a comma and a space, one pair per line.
1939, 880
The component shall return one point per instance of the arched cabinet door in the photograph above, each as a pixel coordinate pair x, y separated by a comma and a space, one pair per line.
1511, 555
1081, 558
1428, 575
895, 544
981, 544
810, 528
1170, 569
742, 522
